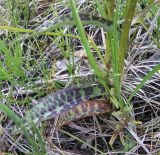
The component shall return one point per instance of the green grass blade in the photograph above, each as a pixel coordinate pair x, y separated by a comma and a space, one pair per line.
114, 53
125, 33
109, 8
97, 50
101, 9
145, 79
84, 38
39, 137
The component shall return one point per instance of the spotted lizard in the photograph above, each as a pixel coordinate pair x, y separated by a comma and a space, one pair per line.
67, 100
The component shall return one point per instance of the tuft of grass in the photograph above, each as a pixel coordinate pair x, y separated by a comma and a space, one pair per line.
12, 60
30, 139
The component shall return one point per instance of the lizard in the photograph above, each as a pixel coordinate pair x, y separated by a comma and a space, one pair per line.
69, 98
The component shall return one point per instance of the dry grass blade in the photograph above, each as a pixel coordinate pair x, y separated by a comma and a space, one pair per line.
138, 140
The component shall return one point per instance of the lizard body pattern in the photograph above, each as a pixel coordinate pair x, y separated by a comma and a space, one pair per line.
84, 109
64, 102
